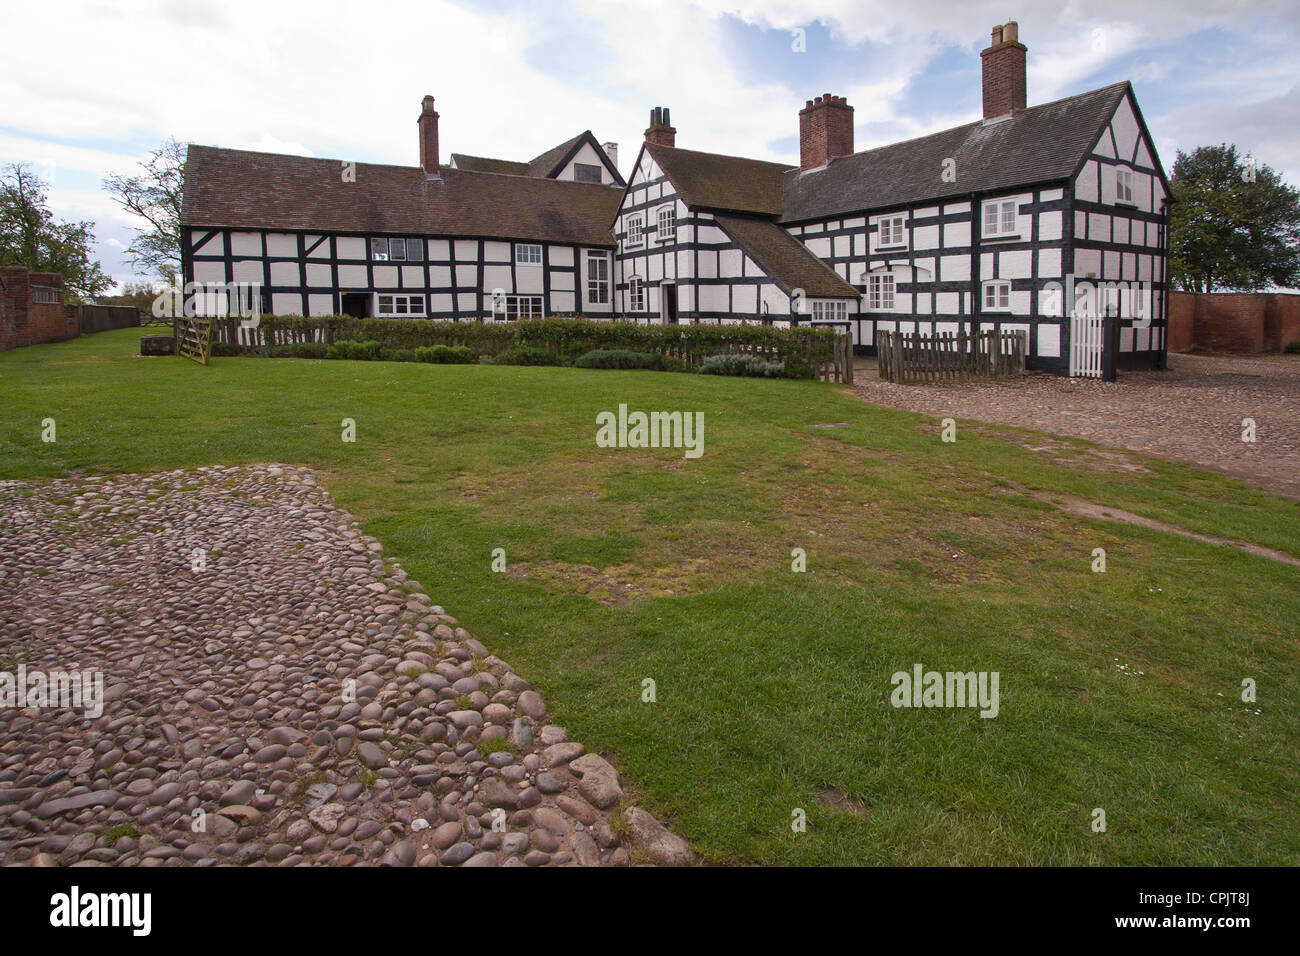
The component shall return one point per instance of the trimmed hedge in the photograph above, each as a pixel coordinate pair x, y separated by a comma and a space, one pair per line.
751, 366
802, 349
446, 355
619, 358
526, 355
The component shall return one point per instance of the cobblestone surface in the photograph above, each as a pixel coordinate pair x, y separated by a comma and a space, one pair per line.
274, 693
1191, 412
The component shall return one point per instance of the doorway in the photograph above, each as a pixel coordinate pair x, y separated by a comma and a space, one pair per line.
669, 293
356, 304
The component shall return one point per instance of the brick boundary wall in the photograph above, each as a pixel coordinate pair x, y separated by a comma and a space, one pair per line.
1243, 322
26, 321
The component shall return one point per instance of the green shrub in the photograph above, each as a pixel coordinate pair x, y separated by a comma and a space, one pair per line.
396, 355
305, 350
445, 354
618, 358
355, 351
527, 355
1292, 347
752, 366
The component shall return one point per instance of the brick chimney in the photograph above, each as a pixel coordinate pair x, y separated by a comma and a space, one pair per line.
661, 131
1004, 72
825, 131
428, 122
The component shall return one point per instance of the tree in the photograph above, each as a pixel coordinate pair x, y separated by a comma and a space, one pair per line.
1234, 224
155, 196
30, 236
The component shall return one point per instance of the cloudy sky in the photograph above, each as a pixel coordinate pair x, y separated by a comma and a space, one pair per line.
110, 80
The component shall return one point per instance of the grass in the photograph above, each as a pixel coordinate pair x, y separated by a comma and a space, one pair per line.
1119, 690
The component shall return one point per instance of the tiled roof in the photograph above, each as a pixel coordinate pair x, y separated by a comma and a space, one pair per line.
227, 187
785, 258
481, 164
1040, 144
726, 183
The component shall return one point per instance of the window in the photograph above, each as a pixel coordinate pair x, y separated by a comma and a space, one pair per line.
528, 255
523, 307
635, 295
1123, 185
891, 232
396, 250
997, 297
668, 224
399, 305
835, 310
44, 295
597, 278
1000, 218
584, 173
880, 293
635, 224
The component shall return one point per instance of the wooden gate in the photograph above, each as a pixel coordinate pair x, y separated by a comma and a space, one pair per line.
1086, 341
194, 339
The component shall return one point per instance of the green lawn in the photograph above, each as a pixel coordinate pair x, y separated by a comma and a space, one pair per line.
774, 686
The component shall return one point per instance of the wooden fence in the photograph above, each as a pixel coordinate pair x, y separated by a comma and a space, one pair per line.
101, 318
912, 358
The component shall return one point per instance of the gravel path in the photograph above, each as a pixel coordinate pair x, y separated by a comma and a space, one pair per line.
287, 697
1191, 412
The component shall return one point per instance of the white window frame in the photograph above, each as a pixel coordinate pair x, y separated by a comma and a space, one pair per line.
1000, 229
1000, 289
889, 226
522, 307
667, 233
881, 288
597, 286
830, 310
399, 305
635, 232
528, 254
1124, 185
636, 294
405, 245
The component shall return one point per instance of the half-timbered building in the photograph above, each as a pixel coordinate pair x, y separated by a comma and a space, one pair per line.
1049, 220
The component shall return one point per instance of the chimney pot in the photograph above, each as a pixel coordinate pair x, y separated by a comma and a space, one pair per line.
1003, 73
661, 131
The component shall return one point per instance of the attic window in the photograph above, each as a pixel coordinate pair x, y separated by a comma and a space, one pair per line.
1123, 185
396, 250
528, 255
586, 173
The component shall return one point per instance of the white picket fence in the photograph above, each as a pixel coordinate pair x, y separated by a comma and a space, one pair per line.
1086, 345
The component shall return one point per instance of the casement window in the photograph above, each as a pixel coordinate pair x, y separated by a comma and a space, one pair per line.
635, 295
997, 296
585, 173
635, 234
597, 278
397, 250
44, 295
668, 224
880, 293
523, 307
1123, 185
527, 254
831, 310
999, 218
892, 232
398, 305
